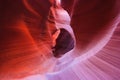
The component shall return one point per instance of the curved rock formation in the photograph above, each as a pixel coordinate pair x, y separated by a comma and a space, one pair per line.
59, 40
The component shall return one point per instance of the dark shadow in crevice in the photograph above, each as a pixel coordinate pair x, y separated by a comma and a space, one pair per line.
64, 43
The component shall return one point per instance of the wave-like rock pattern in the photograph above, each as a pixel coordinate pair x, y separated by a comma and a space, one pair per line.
28, 35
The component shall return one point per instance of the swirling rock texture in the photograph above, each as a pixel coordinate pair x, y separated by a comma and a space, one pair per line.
59, 40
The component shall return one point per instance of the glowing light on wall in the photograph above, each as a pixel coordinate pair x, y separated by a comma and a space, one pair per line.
66, 40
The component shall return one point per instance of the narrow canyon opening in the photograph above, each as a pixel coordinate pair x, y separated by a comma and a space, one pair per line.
64, 43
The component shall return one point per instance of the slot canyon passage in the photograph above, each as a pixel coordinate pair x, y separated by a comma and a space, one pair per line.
59, 39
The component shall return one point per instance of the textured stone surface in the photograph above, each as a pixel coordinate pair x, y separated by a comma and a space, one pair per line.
26, 40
